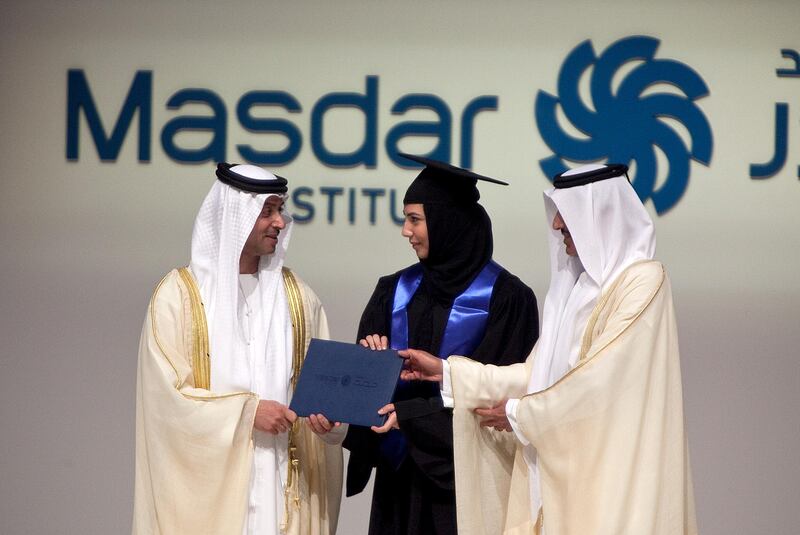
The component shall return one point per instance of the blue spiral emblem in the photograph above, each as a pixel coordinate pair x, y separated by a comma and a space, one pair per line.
627, 125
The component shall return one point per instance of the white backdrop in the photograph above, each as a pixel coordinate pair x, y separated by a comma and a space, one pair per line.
84, 242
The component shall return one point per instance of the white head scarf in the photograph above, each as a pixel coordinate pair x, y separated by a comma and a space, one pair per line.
223, 224
611, 230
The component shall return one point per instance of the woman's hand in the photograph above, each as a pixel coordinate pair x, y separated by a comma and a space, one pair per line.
375, 342
391, 421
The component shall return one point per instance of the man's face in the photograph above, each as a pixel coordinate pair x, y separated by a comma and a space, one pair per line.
558, 224
415, 228
264, 237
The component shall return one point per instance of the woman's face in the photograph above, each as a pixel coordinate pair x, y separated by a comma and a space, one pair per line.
415, 228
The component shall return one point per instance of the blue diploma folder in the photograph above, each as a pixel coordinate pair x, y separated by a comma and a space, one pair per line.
346, 382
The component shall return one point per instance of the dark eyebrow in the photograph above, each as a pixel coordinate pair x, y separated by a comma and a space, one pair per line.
272, 206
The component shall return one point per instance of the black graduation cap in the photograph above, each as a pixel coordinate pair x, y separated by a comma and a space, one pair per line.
587, 177
442, 183
252, 184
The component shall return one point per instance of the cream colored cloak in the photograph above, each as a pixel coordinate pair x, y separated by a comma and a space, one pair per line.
194, 447
609, 434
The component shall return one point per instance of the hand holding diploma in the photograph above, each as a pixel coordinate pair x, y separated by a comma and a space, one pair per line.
321, 425
375, 342
420, 366
391, 420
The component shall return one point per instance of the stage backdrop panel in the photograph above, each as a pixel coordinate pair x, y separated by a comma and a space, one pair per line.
114, 113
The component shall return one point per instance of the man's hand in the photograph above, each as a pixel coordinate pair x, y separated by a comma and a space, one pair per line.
320, 425
495, 417
391, 421
273, 417
420, 366
375, 342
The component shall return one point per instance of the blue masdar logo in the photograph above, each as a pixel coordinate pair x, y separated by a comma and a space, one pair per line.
626, 125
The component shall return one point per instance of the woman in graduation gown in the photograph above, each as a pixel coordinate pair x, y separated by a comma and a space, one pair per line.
456, 300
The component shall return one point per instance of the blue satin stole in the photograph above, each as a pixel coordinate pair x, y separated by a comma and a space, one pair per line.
465, 328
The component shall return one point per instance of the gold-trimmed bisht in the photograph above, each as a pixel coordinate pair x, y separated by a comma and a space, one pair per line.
297, 315
201, 361
201, 366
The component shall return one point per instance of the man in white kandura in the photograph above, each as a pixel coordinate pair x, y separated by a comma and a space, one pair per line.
218, 451
595, 442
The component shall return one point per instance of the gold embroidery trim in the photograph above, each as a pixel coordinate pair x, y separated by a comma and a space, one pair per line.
154, 328
201, 360
297, 315
537, 528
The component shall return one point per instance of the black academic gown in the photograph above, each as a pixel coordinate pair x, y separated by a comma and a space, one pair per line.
419, 497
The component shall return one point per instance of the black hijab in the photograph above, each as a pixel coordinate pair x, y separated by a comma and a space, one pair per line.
459, 231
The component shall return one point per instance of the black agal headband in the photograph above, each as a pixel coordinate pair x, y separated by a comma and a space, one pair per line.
580, 179
246, 183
